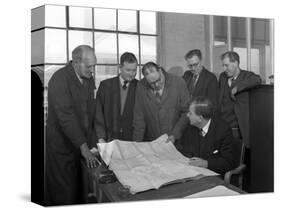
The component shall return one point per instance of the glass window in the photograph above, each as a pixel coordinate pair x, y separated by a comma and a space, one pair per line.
128, 43
127, 20
37, 18
49, 71
147, 22
80, 17
37, 47
105, 19
106, 47
255, 65
55, 46
77, 38
55, 16
104, 72
148, 49
220, 30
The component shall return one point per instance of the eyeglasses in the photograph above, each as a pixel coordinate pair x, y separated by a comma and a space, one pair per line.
195, 65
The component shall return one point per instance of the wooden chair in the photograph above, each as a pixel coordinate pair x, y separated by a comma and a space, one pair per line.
235, 176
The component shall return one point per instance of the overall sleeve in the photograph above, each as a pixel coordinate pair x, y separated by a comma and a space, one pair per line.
61, 99
138, 121
223, 162
183, 105
100, 119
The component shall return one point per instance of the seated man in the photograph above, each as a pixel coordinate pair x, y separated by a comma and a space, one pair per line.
209, 141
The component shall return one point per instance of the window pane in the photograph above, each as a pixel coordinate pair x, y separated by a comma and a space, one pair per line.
148, 49
49, 71
147, 22
55, 16
127, 20
255, 64
37, 47
55, 46
220, 30
105, 72
80, 17
106, 47
77, 38
37, 17
105, 19
128, 43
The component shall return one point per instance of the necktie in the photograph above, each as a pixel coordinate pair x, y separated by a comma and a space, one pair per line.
125, 85
158, 96
193, 82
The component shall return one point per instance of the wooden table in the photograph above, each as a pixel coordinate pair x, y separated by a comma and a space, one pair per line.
115, 192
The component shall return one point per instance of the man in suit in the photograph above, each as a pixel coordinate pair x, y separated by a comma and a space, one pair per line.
69, 130
234, 84
160, 105
199, 81
115, 102
209, 141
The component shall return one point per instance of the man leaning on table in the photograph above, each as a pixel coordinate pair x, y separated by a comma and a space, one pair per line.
209, 143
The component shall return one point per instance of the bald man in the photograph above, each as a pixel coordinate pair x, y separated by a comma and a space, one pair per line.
69, 130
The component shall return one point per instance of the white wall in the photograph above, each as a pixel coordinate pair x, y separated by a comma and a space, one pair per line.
179, 33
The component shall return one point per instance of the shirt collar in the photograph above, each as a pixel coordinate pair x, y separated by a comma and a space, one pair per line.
205, 129
122, 81
79, 78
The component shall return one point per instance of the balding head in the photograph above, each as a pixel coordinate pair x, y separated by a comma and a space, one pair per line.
83, 60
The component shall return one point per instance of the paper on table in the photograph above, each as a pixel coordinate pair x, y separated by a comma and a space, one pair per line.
146, 165
214, 192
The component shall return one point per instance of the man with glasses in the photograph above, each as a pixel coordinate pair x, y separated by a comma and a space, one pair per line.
115, 102
199, 81
160, 106
70, 129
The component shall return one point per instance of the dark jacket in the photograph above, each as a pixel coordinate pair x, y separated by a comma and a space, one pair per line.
152, 119
67, 128
215, 146
206, 86
110, 123
244, 82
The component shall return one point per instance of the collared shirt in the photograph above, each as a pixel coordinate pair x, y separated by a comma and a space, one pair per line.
231, 79
205, 129
122, 81
80, 79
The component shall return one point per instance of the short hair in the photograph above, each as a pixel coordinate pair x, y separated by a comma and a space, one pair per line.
203, 107
194, 52
233, 56
128, 57
149, 66
77, 53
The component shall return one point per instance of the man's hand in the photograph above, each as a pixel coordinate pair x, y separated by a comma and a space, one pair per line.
198, 162
90, 158
171, 138
233, 92
101, 140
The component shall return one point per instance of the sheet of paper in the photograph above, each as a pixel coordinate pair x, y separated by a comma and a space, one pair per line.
146, 165
214, 192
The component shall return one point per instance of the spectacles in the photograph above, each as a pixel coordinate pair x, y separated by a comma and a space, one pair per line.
195, 65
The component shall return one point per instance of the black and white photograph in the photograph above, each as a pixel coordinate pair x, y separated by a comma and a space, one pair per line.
151, 105
141, 105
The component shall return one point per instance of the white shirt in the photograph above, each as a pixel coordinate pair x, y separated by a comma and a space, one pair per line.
205, 129
122, 81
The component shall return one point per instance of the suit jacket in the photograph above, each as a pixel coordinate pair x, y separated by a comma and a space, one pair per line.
68, 127
110, 123
244, 82
207, 85
215, 147
152, 119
